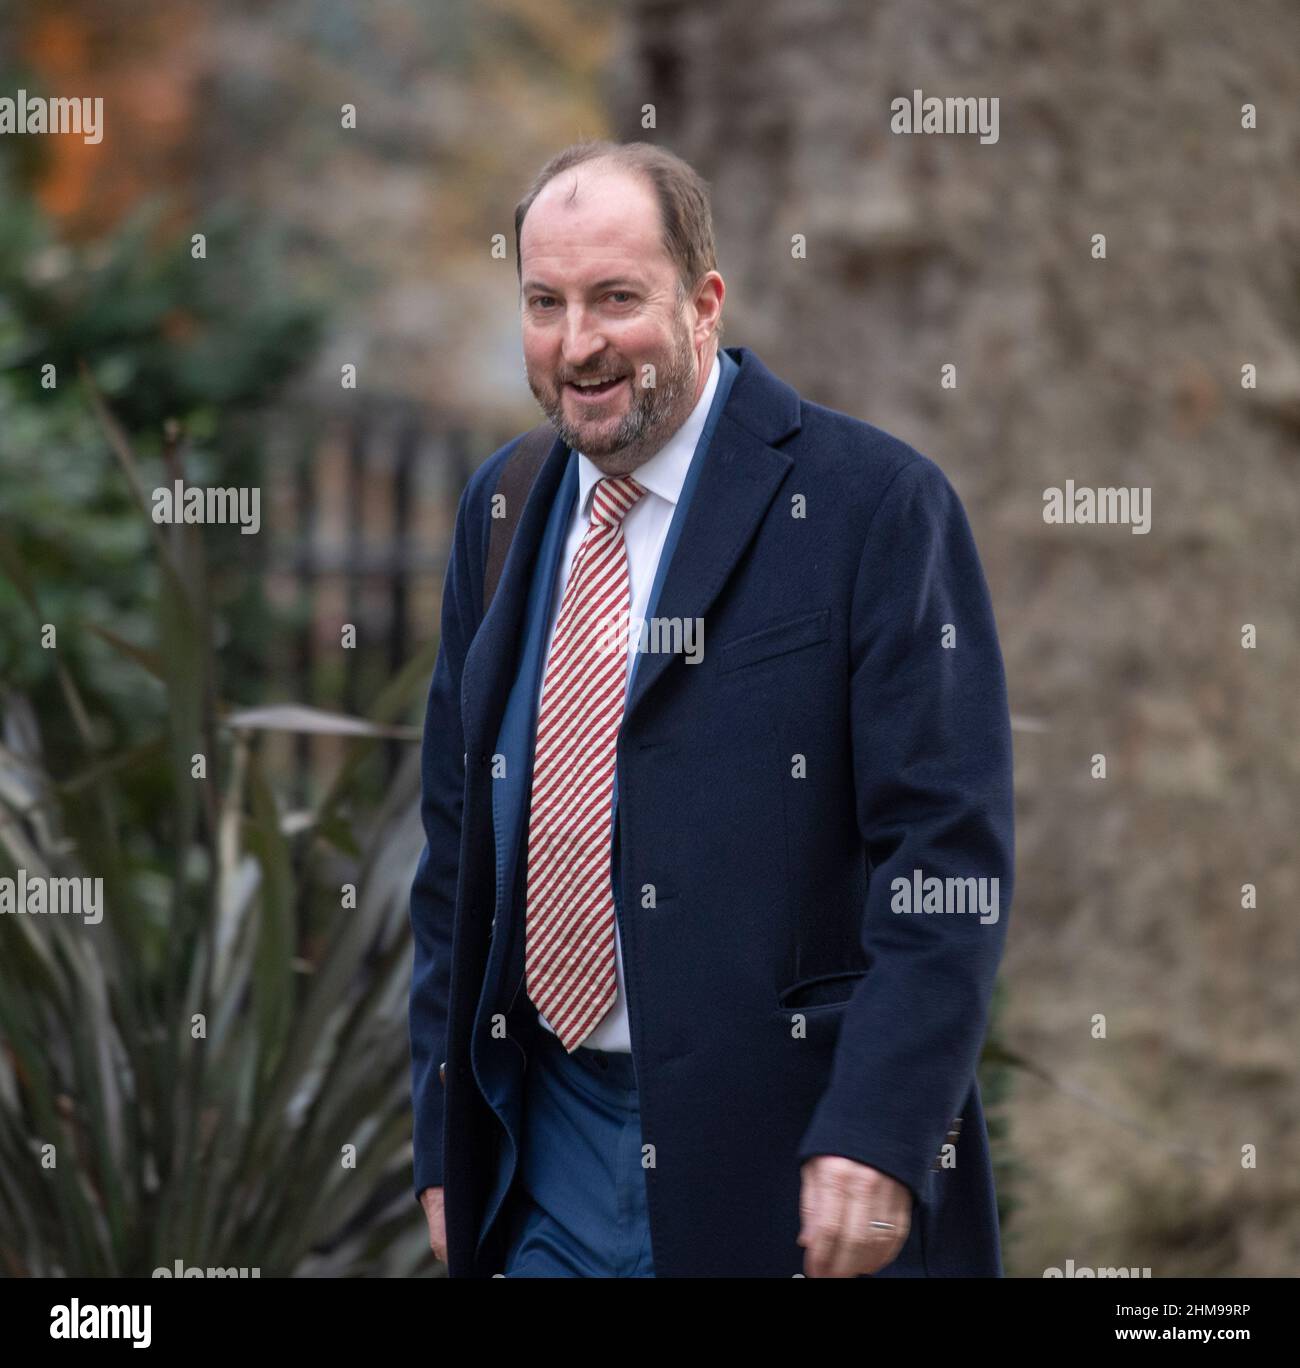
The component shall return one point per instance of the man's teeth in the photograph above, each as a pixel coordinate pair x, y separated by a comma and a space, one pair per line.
587, 384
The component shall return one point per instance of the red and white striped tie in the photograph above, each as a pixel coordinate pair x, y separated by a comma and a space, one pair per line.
569, 918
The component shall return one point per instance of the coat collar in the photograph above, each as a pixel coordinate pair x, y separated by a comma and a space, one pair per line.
737, 482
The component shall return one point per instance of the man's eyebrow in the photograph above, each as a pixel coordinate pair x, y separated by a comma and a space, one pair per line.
609, 283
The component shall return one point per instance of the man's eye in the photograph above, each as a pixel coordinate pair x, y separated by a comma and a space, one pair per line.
543, 300
614, 295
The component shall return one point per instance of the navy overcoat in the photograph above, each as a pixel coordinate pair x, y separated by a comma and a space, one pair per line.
813, 822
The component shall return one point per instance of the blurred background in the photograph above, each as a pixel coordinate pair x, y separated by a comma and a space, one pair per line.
218, 1071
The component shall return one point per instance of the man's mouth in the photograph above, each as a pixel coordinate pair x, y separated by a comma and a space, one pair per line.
592, 390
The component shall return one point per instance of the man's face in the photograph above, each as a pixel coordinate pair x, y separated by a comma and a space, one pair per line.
601, 301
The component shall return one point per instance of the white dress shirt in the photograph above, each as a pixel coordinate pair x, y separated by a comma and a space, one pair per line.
645, 527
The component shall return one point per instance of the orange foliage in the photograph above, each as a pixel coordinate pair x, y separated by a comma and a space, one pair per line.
147, 75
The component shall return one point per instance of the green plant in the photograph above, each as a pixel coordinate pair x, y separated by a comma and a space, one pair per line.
200, 1076
166, 336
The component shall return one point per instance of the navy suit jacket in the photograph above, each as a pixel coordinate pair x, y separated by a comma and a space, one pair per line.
846, 728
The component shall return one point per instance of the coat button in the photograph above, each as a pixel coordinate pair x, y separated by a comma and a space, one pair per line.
442, 1073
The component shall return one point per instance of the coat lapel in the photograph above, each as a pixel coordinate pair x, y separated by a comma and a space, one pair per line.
492, 657
739, 477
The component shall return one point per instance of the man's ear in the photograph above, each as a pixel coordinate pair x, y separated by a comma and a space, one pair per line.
704, 294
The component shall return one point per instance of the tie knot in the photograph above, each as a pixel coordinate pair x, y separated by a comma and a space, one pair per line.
612, 498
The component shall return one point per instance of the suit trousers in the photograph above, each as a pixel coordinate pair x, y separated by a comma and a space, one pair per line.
577, 1206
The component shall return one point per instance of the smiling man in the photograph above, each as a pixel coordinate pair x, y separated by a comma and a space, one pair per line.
666, 1016
618, 370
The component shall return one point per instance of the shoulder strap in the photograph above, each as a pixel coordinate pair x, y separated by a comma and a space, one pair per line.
514, 482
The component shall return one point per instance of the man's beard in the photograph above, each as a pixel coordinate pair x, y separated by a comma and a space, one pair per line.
649, 420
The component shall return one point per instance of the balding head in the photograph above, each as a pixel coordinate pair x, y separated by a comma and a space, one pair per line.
603, 298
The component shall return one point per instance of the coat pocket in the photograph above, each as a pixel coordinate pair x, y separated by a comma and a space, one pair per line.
823, 990
792, 634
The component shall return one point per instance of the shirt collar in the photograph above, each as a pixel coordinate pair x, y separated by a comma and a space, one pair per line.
665, 472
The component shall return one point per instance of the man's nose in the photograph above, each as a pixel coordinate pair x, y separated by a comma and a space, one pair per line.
582, 338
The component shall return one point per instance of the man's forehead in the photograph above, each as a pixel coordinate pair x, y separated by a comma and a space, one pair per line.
611, 214
592, 187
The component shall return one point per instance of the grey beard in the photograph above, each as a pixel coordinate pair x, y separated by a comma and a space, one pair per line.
646, 419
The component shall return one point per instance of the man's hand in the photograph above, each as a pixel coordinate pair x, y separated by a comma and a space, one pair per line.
431, 1201
838, 1200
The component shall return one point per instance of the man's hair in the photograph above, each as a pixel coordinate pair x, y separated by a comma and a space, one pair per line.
682, 195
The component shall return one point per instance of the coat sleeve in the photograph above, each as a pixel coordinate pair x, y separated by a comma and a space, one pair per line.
931, 737
433, 893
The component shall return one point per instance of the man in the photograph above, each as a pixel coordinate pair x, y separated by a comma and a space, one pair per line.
717, 796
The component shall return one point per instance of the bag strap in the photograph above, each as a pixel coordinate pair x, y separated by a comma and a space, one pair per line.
514, 482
